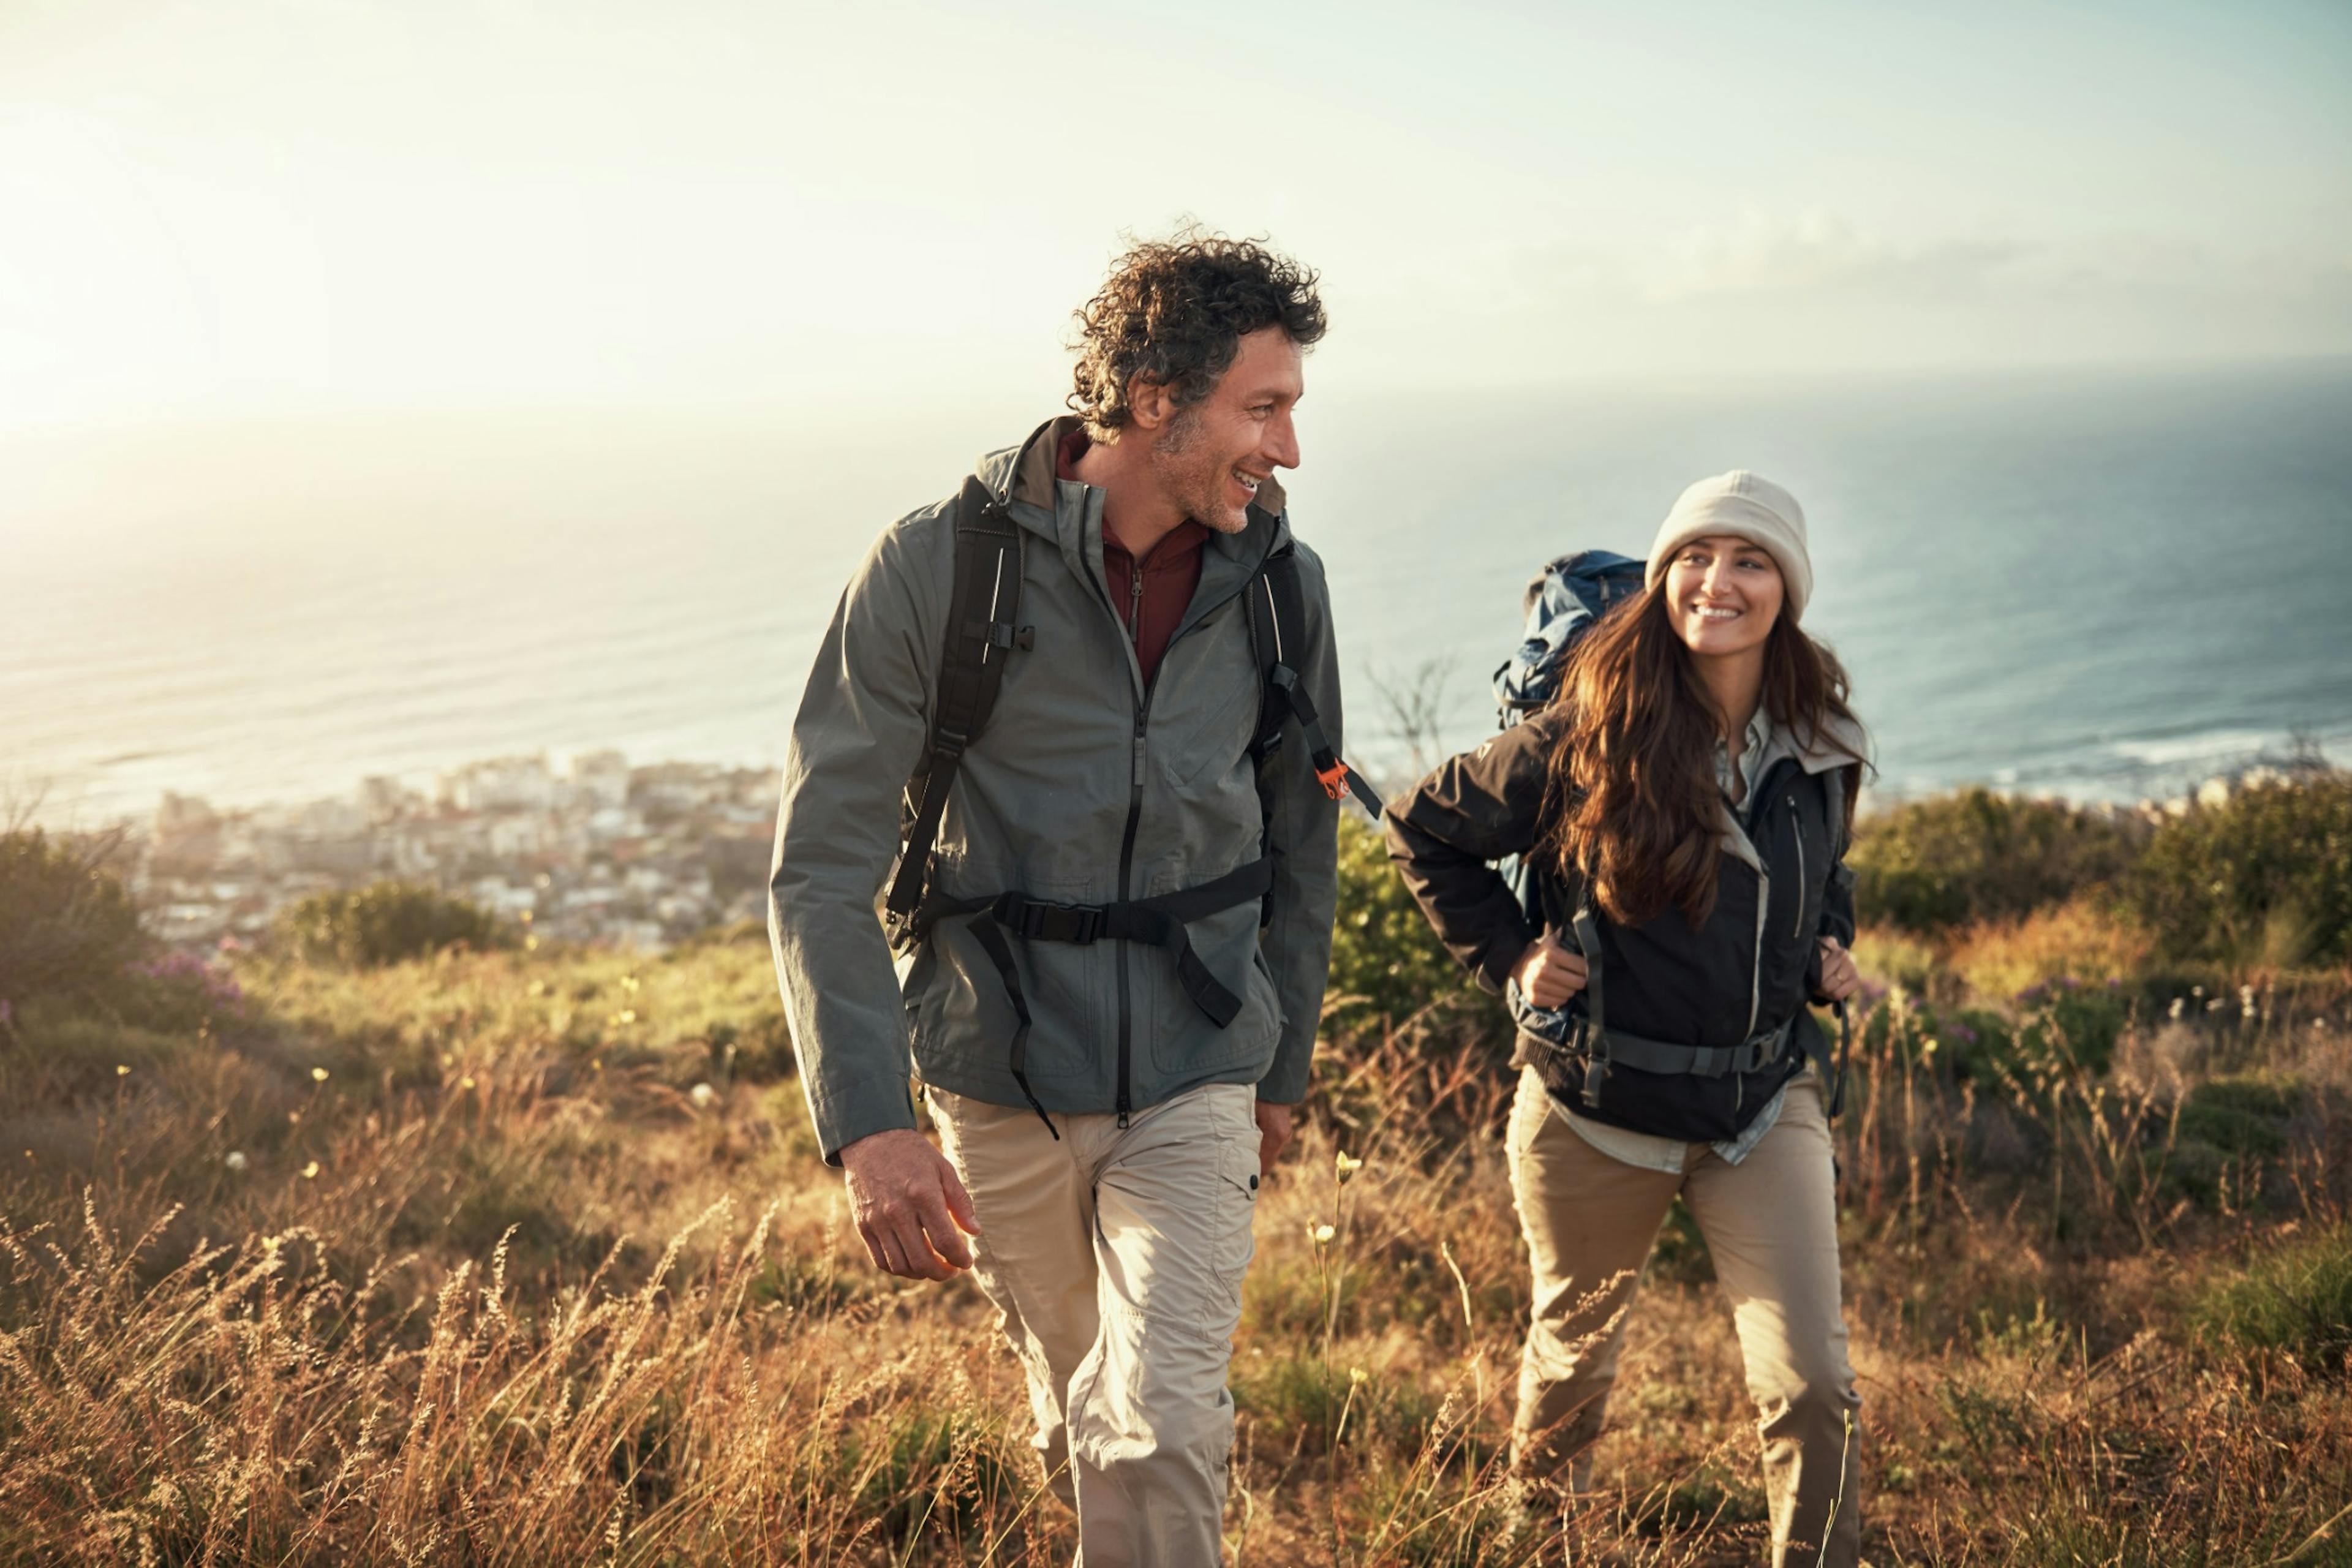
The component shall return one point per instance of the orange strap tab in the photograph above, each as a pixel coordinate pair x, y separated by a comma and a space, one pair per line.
1335, 780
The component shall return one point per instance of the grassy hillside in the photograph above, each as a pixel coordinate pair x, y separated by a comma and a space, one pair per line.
524, 1256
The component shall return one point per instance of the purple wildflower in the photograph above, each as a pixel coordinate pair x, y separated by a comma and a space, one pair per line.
217, 985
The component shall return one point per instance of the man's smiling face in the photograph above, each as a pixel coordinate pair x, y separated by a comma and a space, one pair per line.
1216, 453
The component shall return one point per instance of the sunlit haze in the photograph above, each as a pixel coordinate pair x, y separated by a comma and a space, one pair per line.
225, 207
385, 384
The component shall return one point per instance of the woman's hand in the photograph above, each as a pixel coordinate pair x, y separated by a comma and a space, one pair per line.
1548, 974
1840, 979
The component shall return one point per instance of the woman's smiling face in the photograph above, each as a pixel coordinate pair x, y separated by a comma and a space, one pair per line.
1723, 593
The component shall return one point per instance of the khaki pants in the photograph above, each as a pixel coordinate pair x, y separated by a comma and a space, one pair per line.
1770, 1224
1115, 1257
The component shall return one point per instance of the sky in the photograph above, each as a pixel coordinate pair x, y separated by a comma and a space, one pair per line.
283, 209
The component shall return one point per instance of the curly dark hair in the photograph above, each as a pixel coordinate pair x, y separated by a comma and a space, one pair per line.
1175, 310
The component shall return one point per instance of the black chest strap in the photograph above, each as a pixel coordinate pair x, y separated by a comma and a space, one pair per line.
1160, 921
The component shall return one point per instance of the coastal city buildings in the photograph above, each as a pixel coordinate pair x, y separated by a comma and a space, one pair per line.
597, 851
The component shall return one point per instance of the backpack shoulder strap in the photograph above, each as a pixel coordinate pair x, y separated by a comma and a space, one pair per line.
983, 628
1277, 607
1267, 642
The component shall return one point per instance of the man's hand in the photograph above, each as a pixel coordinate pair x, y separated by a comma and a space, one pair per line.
908, 1204
1548, 974
1273, 1132
1840, 979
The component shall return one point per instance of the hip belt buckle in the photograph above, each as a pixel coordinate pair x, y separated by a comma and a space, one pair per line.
1760, 1051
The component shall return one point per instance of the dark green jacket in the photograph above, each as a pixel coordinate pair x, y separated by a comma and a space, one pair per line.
1042, 806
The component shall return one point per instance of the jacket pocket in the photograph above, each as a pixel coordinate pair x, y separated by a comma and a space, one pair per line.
1237, 1208
1205, 703
1219, 739
1803, 860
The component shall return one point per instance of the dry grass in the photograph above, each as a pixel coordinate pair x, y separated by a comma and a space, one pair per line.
498, 1289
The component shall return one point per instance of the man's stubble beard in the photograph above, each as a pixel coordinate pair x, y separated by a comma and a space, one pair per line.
1190, 476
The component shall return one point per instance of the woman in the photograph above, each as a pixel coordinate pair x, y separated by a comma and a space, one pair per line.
1683, 807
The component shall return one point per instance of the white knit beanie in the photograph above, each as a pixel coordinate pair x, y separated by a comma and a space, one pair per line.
1752, 508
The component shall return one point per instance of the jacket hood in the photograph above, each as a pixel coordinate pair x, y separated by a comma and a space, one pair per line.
1839, 743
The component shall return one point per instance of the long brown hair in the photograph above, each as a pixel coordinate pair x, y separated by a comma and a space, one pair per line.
1633, 798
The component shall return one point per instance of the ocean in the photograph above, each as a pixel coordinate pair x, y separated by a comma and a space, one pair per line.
2105, 585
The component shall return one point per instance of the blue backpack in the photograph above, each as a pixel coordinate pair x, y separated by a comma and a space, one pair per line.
1563, 600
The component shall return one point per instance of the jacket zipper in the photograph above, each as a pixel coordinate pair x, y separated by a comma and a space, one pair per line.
1125, 1100
1126, 872
1756, 963
1796, 831
1126, 841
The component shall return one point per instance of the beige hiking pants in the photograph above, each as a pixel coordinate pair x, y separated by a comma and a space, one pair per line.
1770, 1224
1115, 1257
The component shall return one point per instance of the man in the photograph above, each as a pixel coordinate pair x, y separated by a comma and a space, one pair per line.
1119, 934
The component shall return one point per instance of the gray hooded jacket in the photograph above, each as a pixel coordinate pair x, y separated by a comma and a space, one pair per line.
1079, 756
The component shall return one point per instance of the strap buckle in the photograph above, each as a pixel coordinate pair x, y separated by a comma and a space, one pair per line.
1760, 1051
1334, 779
1034, 921
1004, 634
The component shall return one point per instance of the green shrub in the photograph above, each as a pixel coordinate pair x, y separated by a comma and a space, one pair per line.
1974, 1040
2264, 880
1386, 962
2053, 1028
386, 923
2297, 1300
68, 928
2066, 1023
1932, 865
2244, 1114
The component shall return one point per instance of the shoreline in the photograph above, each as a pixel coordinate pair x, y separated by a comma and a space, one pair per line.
636, 855
2164, 771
